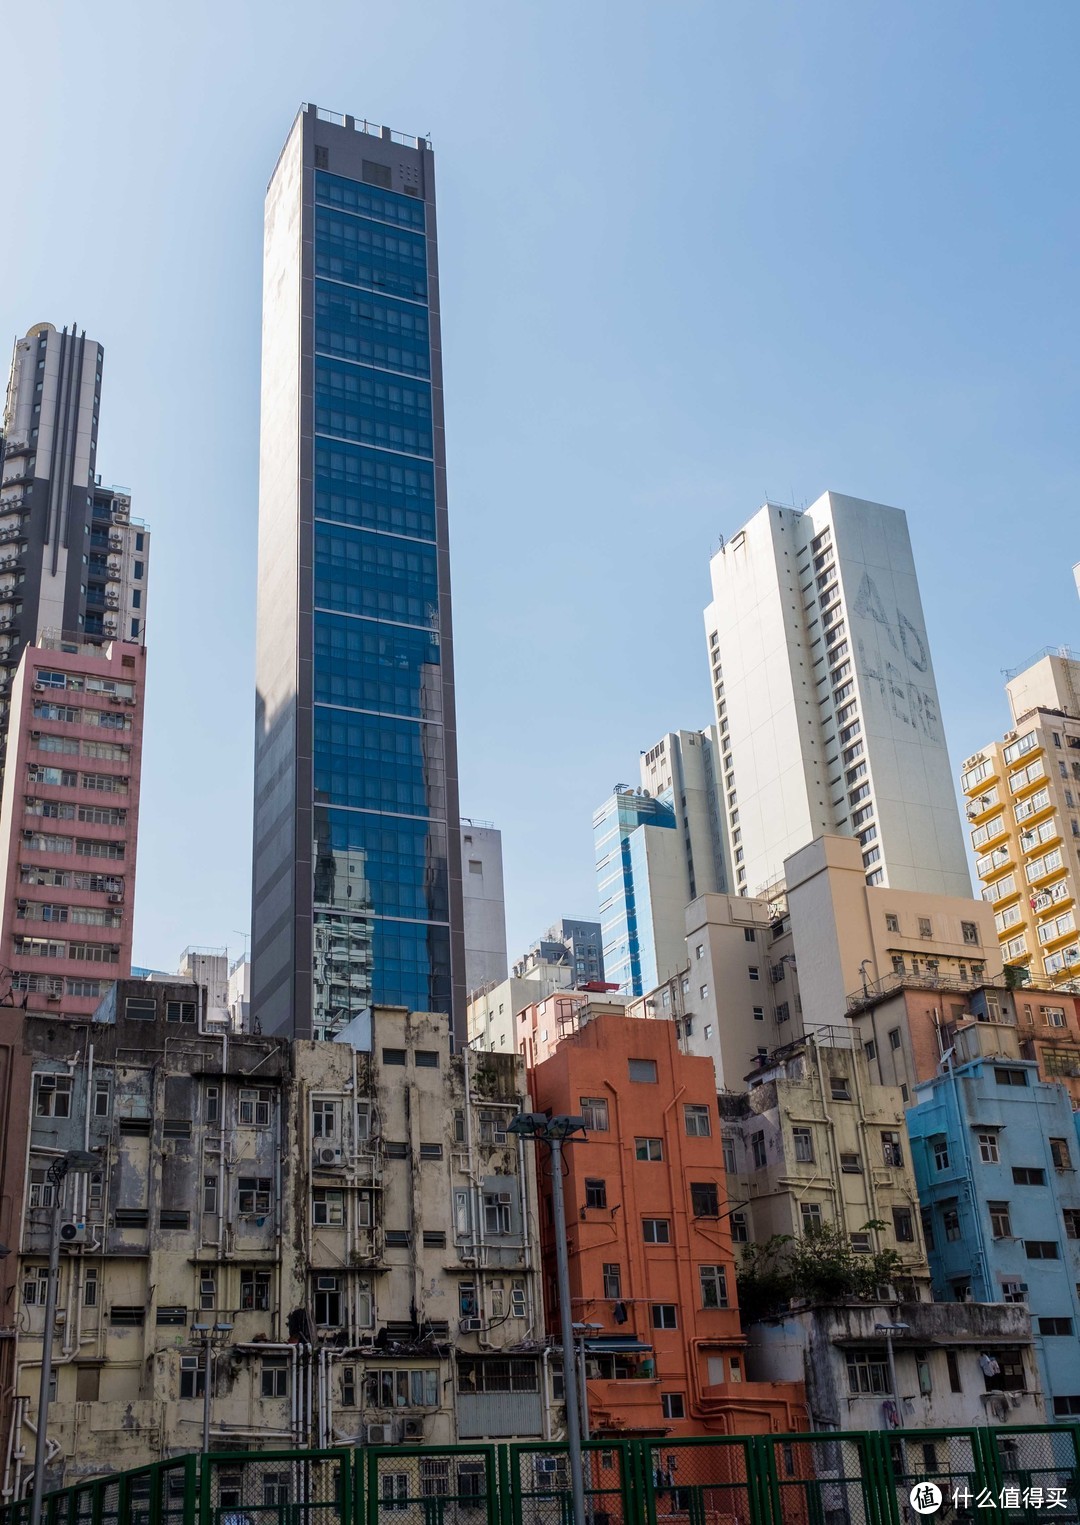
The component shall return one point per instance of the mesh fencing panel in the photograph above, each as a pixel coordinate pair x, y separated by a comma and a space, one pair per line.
820, 1479
453, 1485
707, 1482
951, 1459
278, 1488
540, 1488
1037, 1474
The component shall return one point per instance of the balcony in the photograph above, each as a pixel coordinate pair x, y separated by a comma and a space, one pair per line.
1034, 806
1059, 894
980, 805
993, 831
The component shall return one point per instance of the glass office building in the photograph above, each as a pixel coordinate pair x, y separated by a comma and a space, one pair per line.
633, 834
357, 878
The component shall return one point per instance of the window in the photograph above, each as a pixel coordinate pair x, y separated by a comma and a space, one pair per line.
1000, 1223
1060, 1326
759, 1013
643, 1070
740, 1229
713, 1286
988, 1148
892, 922
953, 1365
704, 1199
1072, 1222
192, 1377
753, 972
673, 1405
42, 1190
255, 1291
213, 1104
327, 1207
926, 928
130, 1316
870, 1050
757, 1150
868, 1371
253, 1195
497, 1212
891, 1152
210, 1195
90, 1289
850, 1164
697, 1121
393, 1056
810, 1212
648, 1149
52, 1095
940, 1148
803, 1139
612, 1280
1059, 1153
950, 1218
656, 1230
1041, 1249
35, 1286
595, 1192
208, 1290
594, 1113
665, 1316
729, 1155
327, 1302
179, 1011
894, 1037
839, 1088
274, 1377
1026, 1175
970, 932
254, 1109
409, 1387
903, 1225
1009, 1077
426, 1058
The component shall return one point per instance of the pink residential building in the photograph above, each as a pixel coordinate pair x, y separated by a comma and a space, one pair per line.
69, 822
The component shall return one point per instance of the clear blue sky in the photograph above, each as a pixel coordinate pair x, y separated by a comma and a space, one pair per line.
691, 254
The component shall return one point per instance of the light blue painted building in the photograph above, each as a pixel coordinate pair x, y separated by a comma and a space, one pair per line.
995, 1152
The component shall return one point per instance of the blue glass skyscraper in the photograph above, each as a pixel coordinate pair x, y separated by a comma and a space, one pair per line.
628, 829
357, 871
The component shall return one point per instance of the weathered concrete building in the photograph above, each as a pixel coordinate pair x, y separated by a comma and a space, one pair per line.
361, 1224
950, 1371
814, 1142
415, 1227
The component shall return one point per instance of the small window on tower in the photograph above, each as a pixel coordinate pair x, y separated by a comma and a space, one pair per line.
376, 174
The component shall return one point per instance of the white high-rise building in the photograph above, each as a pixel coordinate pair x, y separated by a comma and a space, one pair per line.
825, 698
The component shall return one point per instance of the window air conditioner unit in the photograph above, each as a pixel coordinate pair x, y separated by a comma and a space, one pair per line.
413, 1429
73, 1232
498, 1136
546, 1466
1021, 1286
39, 688
471, 1325
379, 1434
329, 1156
35, 735
116, 899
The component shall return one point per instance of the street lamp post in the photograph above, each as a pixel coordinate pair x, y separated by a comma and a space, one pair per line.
554, 1131
210, 1335
583, 1331
74, 1162
889, 1330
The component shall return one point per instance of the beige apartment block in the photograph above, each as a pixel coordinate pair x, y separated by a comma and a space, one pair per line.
493, 1008
814, 1141
1023, 806
848, 936
361, 1224
759, 973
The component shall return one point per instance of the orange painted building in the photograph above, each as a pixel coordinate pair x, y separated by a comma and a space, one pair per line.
652, 1273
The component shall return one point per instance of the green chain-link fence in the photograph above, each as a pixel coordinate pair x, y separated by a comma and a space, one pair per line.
1008, 1476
